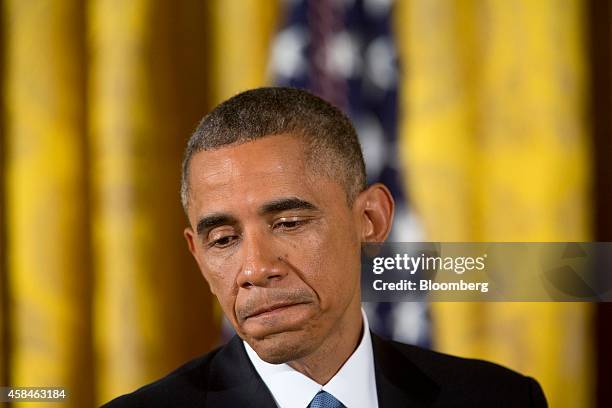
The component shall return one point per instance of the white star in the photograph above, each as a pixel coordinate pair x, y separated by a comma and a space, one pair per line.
380, 67
287, 59
409, 322
406, 225
343, 57
373, 144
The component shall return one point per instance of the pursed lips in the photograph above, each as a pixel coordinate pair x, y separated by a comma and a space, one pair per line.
270, 308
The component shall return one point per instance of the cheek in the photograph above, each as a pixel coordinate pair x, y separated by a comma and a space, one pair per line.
221, 284
330, 263
226, 298
343, 266
219, 268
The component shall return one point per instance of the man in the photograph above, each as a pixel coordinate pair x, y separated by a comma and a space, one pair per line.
274, 187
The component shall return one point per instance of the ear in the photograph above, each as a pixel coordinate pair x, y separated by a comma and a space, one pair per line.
373, 211
190, 238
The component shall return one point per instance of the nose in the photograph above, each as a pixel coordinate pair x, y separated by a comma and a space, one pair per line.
262, 264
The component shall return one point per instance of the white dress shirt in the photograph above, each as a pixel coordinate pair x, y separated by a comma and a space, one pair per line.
354, 384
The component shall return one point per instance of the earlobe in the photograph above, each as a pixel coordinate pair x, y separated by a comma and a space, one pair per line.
376, 207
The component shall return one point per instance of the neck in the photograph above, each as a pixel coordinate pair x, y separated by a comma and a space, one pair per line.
327, 360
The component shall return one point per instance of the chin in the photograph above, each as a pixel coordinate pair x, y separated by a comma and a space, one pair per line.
282, 347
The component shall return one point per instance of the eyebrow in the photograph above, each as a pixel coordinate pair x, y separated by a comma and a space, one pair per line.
283, 204
214, 220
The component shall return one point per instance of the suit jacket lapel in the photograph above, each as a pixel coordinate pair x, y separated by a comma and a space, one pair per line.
400, 383
233, 381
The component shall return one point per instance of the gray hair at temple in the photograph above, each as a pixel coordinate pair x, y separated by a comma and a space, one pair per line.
332, 146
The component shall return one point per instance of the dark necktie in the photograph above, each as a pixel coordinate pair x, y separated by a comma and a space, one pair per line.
325, 400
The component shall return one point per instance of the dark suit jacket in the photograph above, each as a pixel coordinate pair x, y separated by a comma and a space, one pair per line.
406, 376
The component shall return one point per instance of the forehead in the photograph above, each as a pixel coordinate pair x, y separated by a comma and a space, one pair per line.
279, 155
253, 172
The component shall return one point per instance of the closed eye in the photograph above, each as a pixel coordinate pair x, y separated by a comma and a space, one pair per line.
289, 225
223, 242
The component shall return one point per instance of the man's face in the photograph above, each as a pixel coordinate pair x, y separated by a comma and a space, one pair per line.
277, 243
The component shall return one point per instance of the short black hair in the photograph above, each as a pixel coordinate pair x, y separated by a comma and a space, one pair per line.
332, 143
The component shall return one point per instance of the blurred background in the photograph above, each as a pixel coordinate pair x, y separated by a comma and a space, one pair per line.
490, 120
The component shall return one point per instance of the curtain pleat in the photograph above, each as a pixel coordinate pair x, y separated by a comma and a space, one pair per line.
240, 49
495, 145
45, 185
147, 91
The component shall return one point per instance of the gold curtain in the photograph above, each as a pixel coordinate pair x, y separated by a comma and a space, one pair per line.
241, 48
495, 146
46, 254
99, 99
146, 92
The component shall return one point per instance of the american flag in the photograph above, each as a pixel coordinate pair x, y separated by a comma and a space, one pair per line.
343, 51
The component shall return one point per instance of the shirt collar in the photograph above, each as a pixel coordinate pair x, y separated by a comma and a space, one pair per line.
354, 384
